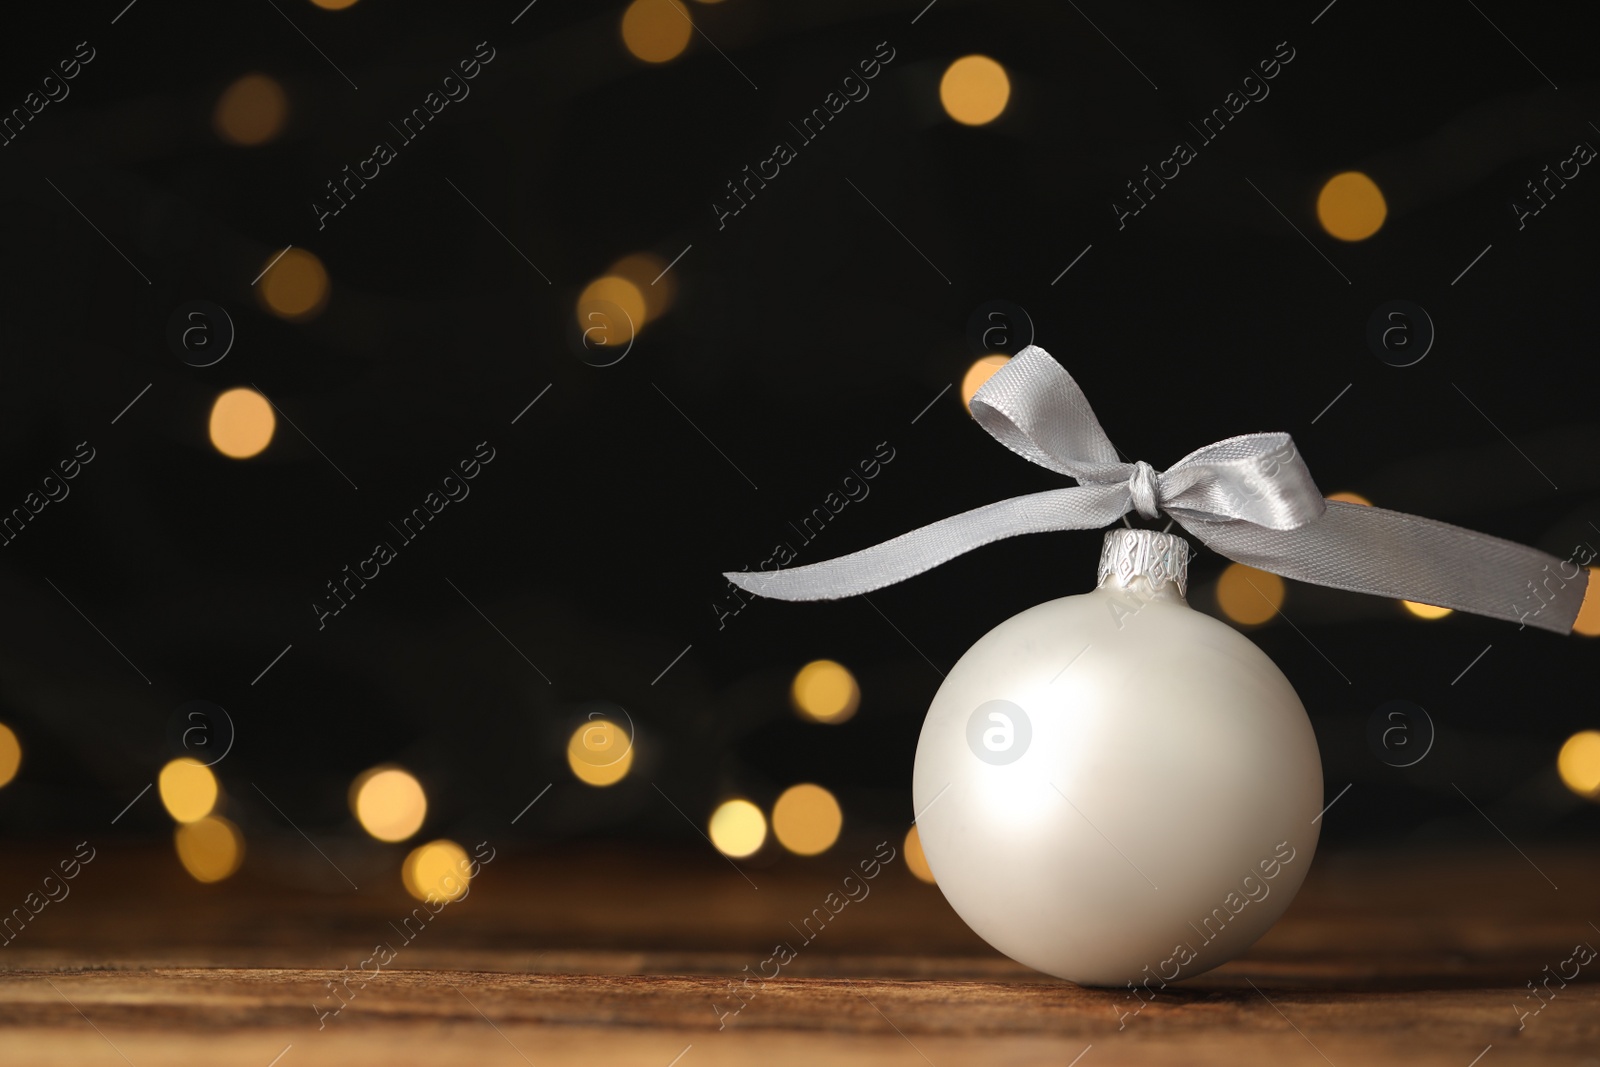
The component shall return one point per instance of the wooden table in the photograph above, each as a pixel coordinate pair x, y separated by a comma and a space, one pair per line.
617, 957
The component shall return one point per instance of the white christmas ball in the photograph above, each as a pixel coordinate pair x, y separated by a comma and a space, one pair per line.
1115, 788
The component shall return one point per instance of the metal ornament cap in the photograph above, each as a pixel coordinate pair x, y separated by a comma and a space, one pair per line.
1160, 559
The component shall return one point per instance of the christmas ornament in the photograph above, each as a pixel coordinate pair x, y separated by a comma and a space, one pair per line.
1114, 788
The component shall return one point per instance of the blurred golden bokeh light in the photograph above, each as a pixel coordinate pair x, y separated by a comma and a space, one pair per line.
825, 691
251, 111
210, 849
656, 30
1425, 611
977, 374
1579, 764
916, 859
737, 828
334, 5
389, 803
1588, 621
974, 90
598, 307
644, 271
242, 423
1350, 498
188, 789
1351, 206
296, 286
439, 867
10, 754
1249, 596
600, 752
806, 819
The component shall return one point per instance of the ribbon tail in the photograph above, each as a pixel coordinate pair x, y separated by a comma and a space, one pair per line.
1392, 554
1083, 507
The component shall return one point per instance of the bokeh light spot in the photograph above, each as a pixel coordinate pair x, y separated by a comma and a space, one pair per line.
599, 303
242, 423
296, 286
334, 5
974, 90
1425, 611
806, 819
977, 374
389, 803
188, 789
251, 111
1350, 498
656, 30
916, 859
439, 867
1588, 621
825, 691
1579, 764
1351, 206
647, 273
210, 849
737, 828
600, 752
10, 754
1249, 596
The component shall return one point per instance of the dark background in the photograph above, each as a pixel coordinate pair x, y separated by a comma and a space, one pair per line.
804, 333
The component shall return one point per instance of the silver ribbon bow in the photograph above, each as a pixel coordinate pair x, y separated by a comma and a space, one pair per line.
1248, 498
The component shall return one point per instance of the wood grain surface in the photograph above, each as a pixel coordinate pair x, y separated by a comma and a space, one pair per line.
1407, 957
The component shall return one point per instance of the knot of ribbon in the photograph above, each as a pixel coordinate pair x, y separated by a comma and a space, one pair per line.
1249, 498
1145, 490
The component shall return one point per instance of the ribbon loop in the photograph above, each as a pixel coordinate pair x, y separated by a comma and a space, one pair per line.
1250, 498
1038, 411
